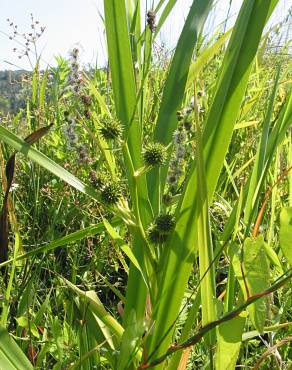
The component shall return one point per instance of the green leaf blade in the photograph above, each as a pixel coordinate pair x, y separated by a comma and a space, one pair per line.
286, 233
11, 356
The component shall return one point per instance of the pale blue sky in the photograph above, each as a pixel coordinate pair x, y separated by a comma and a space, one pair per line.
70, 22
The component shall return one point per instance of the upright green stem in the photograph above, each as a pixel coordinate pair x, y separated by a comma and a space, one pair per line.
5, 310
150, 253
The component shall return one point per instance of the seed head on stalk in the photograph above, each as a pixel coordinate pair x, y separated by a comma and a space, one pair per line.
110, 129
110, 193
159, 230
154, 154
165, 223
154, 236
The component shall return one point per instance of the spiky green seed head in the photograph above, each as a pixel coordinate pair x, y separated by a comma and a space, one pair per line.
154, 154
154, 236
164, 223
110, 193
110, 129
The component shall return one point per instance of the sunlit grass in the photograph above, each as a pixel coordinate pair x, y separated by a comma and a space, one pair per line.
144, 231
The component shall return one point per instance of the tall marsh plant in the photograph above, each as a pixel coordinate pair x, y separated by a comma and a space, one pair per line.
164, 165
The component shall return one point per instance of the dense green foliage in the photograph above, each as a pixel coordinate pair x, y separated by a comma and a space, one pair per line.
150, 212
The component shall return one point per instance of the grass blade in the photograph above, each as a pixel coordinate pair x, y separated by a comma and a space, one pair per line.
11, 356
174, 87
64, 241
20, 145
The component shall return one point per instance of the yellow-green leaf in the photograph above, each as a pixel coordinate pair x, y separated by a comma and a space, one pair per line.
229, 340
286, 233
11, 356
256, 269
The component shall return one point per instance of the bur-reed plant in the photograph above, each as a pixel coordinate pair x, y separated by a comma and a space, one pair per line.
175, 199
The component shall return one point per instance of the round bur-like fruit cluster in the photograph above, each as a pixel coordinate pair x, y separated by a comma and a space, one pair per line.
161, 228
165, 223
154, 154
110, 129
155, 236
110, 193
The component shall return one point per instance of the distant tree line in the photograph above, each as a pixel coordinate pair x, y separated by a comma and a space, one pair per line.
13, 90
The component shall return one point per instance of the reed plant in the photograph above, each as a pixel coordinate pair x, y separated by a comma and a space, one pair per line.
180, 172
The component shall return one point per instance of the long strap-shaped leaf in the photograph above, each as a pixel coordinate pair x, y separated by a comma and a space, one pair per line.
11, 356
63, 241
20, 145
260, 160
175, 86
97, 308
216, 138
205, 247
124, 90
